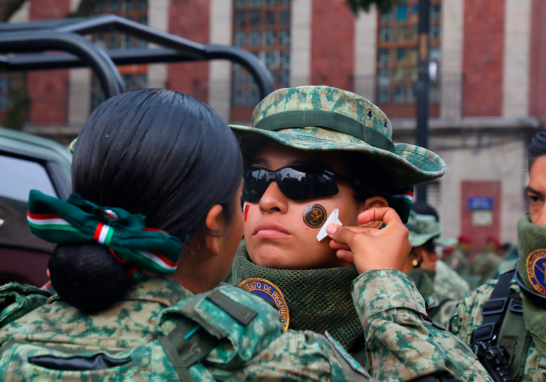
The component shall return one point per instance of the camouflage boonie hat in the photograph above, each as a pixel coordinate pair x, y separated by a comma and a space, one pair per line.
422, 228
322, 118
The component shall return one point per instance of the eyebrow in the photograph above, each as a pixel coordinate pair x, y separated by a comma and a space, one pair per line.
532, 190
312, 163
260, 161
304, 162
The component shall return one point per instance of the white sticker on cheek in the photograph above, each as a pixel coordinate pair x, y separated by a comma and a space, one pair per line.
333, 219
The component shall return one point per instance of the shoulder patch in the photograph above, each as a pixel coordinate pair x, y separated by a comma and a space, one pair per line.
536, 270
268, 291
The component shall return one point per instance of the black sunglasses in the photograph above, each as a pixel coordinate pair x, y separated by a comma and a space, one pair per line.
297, 182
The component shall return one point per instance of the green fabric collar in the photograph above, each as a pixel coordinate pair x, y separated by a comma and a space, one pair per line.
319, 299
328, 119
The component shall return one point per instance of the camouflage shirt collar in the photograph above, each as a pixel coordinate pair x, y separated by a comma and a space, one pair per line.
158, 289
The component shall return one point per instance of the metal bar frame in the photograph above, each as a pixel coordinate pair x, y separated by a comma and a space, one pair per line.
173, 48
86, 51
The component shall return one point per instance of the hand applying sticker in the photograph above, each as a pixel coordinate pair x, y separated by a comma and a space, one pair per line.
372, 248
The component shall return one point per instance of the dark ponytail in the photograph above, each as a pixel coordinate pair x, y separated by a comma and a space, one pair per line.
537, 147
154, 152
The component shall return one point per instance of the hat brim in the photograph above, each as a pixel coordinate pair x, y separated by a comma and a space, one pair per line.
417, 240
445, 242
409, 165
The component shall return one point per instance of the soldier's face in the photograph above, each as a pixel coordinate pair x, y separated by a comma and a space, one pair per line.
537, 191
275, 232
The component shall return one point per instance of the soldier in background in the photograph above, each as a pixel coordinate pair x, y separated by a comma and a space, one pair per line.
504, 319
458, 261
487, 263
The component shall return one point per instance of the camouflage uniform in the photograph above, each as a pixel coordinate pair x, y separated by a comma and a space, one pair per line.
437, 287
468, 316
150, 308
321, 118
458, 261
486, 264
448, 284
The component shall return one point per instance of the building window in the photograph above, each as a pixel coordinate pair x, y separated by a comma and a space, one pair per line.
263, 28
397, 54
134, 76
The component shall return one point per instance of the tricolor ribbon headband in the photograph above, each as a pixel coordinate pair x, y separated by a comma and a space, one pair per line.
79, 221
401, 201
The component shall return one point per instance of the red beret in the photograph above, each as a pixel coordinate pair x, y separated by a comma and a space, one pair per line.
465, 239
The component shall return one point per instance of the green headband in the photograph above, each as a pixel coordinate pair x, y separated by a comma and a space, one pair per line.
79, 221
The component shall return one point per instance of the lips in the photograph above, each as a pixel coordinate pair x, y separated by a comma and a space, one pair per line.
270, 230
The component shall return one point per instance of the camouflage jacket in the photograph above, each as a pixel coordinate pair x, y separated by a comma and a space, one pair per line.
468, 318
486, 264
458, 261
260, 351
400, 343
448, 284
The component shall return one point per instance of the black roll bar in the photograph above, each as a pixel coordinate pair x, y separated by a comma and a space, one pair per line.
174, 49
87, 52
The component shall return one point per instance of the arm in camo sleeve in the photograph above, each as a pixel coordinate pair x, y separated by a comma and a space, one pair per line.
400, 344
468, 315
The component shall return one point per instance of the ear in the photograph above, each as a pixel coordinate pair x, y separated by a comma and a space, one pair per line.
416, 254
374, 202
214, 222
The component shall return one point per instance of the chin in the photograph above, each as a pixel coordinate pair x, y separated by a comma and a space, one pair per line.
270, 256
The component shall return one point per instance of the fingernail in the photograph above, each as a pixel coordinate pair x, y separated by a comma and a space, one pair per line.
331, 229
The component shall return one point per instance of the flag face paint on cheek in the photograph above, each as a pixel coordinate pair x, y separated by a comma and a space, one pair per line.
314, 215
246, 206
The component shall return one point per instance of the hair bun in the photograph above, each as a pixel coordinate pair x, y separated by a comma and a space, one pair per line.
87, 276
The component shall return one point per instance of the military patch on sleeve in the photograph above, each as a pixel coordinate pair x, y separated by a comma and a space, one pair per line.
268, 291
536, 266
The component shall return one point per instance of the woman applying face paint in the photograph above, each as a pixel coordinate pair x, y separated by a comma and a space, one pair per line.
313, 150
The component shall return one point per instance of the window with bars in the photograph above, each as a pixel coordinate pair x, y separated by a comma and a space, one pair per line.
134, 76
263, 28
397, 56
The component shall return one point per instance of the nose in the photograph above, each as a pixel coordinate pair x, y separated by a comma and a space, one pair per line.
273, 200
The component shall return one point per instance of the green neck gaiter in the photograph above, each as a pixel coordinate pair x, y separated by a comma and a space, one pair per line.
423, 281
531, 267
318, 299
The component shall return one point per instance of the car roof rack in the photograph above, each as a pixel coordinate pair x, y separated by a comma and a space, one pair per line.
66, 35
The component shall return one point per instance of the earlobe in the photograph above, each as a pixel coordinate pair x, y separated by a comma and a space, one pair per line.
374, 202
416, 255
215, 224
